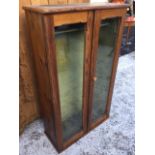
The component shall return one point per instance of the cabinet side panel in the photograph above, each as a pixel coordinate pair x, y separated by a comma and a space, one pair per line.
52, 70
38, 49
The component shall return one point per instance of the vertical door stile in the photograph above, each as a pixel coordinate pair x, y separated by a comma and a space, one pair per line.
95, 37
87, 59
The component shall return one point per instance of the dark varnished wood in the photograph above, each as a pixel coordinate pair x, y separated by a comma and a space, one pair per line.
93, 61
48, 9
41, 21
52, 70
88, 48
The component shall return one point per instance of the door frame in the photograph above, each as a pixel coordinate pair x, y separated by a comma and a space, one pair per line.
86, 73
98, 17
49, 22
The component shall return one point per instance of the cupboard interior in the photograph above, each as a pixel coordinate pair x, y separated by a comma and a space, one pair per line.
70, 46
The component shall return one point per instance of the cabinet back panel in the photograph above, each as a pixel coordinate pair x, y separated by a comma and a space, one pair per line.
70, 54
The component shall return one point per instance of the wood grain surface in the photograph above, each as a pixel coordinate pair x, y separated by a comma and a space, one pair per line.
41, 21
46, 9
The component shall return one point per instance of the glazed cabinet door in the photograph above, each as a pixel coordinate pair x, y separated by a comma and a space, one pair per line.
72, 40
105, 53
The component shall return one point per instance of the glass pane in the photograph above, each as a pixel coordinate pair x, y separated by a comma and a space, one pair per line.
70, 41
105, 54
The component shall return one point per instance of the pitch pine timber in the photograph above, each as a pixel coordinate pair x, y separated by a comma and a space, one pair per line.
75, 50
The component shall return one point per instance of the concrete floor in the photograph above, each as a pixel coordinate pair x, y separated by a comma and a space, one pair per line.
114, 137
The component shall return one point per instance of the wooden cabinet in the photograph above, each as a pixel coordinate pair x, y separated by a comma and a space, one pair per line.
75, 50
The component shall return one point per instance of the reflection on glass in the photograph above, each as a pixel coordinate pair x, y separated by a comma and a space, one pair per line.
70, 55
105, 54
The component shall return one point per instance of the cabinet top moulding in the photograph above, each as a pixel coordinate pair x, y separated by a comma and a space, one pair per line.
49, 9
